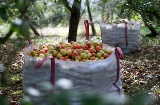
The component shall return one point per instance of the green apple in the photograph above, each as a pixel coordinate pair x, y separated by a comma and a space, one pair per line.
63, 52
78, 58
59, 55
83, 55
98, 55
41, 56
54, 53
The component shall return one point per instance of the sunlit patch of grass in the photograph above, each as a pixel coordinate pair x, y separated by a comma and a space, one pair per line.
144, 31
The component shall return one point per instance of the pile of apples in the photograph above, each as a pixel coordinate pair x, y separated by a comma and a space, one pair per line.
73, 51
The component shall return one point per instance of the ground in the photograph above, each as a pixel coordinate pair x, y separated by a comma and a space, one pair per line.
140, 70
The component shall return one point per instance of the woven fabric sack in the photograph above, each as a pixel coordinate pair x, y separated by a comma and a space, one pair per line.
127, 37
102, 76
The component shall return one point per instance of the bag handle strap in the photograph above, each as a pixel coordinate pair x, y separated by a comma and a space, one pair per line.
87, 29
126, 34
39, 63
119, 55
29, 41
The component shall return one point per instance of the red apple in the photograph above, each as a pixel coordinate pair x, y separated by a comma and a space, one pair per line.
74, 54
88, 44
93, 58
92, 50
62, 58
98, 48
106, 56
45, 49
41, 52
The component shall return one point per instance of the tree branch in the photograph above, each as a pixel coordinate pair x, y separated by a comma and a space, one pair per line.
66, 4
4, 39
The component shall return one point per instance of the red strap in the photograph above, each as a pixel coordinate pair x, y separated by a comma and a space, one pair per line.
126, 32
52, 71
29, 41
87, 29
38, 65
119, 55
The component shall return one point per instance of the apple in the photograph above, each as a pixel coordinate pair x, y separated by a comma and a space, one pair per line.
54, 53
41, 52
86, 51
83, 55
92, 58
69, 52
50, 47
83, 60
68, 44
98, 55
74, 54
71, 42
63, 46
66, 57
95, 44
57, 47
73, 51
45, 49
89, 55
35, 49
63, 52
98, 48
92, 50
102, 58
34, 53
78, 58
79, 50
41, 47
107, 51
85, 47
41, 56
61, 43
59, 55
62, 58
106, 56
47, 54
88, 44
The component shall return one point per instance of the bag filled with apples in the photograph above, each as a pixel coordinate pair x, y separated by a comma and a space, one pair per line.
91, 66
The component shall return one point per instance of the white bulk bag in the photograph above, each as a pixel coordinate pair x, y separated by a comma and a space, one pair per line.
102, 76
115, 35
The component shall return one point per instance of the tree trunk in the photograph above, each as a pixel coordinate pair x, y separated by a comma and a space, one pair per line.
33, 29
102, 13
90, 17
74, 20
153, 31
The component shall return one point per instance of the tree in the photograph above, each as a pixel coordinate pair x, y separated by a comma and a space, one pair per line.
148, 9
8, 10
74, 19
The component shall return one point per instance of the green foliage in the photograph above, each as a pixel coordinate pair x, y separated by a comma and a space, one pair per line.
142, 98
4, 100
